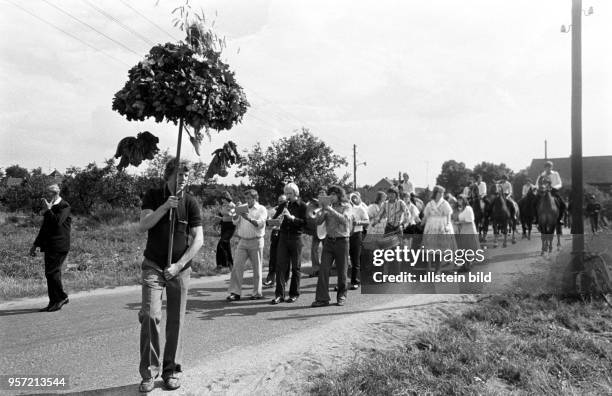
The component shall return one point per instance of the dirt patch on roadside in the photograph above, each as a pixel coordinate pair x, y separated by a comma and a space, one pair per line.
284, 365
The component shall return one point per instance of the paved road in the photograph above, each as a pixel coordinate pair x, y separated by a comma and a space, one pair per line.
94, 339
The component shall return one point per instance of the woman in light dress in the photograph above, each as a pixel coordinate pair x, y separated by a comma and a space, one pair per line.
373, 212
467, 236
438, 232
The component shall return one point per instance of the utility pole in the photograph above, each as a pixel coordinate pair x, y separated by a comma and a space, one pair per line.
577, 188
545, 149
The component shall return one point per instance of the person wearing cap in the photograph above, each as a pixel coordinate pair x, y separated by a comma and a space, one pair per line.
224, 247
289, 255
274, 236
360, 219
250, 229
556, 183
53, 240
158, 274
394, 211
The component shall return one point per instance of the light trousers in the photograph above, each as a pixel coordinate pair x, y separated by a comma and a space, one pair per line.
247, 250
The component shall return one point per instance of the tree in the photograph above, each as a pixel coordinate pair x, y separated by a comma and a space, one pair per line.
302, 158
453, 176
186, 83
491, 172
17, 171
155, 168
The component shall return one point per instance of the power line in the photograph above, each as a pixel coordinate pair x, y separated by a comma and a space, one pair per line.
148, 20
118, 22
92, 28
66, 33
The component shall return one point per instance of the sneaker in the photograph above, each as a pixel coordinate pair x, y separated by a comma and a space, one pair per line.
354, 286
292, 299
147, 385
268, 283
341, 301
172, 383
256, 297
317, 304
276, 300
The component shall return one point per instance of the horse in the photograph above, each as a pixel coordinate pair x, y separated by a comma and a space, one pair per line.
548, 218
527, 210
501, 216
479, 209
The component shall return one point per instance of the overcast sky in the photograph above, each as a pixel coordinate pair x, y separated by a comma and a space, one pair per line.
411, 83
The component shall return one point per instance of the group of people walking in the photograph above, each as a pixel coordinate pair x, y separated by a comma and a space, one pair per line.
334, 219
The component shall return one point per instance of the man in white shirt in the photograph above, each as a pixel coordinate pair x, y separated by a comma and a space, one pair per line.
482, 187
555, 185
407, 185
250, 229
507, 191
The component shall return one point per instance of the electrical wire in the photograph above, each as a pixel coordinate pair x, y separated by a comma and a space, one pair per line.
92, 28
148, 20
118, 22
67, 33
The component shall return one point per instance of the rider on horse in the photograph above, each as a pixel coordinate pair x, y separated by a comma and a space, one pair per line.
555, 183
528, 186
506, 190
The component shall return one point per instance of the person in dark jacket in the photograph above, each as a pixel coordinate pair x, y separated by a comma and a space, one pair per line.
289, 253
54, 240
274, 237
224, 247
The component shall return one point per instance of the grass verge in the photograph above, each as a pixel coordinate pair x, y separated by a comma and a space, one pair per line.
506, 345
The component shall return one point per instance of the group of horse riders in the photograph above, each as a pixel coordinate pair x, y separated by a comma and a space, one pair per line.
549, 178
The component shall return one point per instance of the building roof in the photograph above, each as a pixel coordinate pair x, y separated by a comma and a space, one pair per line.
383, 184
596, 170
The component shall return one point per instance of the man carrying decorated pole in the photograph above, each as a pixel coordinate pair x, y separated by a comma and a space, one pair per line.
185, 231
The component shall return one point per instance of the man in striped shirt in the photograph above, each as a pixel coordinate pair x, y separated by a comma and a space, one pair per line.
250, 229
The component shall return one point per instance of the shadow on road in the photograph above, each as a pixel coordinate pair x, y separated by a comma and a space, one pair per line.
336, 313
10, 312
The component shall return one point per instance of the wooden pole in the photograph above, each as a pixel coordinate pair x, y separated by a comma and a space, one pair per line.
172, 212
577, 188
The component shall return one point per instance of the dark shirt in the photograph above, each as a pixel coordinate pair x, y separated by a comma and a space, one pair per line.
295, 226
593, 208
54, 234
187, 217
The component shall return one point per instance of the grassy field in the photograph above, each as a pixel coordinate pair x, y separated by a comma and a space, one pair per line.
109, 254
503, 345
